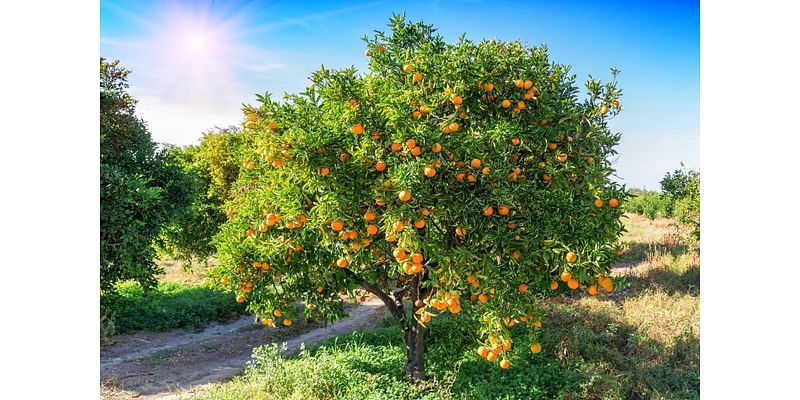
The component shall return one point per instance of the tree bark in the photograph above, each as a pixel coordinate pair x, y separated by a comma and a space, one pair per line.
414, 335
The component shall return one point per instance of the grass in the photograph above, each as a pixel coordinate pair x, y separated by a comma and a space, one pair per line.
641, 343
171, 305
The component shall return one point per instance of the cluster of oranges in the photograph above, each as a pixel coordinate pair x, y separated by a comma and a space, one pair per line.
270, 322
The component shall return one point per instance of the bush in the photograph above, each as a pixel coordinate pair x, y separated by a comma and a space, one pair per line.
168, 306
650, 204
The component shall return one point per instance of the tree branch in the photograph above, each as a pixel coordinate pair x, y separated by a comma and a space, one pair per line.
394, 308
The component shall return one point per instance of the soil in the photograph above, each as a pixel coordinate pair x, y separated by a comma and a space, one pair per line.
174, 364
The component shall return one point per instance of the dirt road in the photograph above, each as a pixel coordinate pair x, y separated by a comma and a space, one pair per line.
168, 365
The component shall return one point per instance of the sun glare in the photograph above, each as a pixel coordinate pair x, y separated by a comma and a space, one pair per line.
195, 43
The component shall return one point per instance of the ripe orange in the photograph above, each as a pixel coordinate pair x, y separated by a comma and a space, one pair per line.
483, 351
419, 224
453, 126
552, 146
460, 177
604, 110
272, 125
571, 257
589, 160
357, 129
404, 195
416, 258
457, 100
446, 129
436, 148
417, 77
369, 216
527, 84
488, 211
598, 203
503, 210
425, 212
520, 105
565, 276
416, 268
522, 288
505, 364
486, 171
407, 68
572, 284
515, 255
352, 235
553, 285
416, 114
287, 323
240, 298
461, 231
399, 226
488, 87
411, 143
423, 109
416, 151
547, 177
592, 290
341, 262
344, 157
535, 348
483, 297
475, 163
380, 166
429, 172
505, 103
265, 266
471, 179
562, 157
515, 141
395, 147
391, 239
519, 83
337, 225
613, 202
399, 254
537, 324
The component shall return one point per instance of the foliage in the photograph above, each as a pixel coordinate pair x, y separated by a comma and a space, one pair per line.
170, 305
650, 204
213, 166
141, 187
428, 143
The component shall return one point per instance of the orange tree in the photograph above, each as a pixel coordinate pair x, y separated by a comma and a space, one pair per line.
463, 178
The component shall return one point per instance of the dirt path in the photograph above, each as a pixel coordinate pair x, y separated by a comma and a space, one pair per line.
168, 365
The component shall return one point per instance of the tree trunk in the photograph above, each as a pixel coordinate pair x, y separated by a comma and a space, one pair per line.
414, 335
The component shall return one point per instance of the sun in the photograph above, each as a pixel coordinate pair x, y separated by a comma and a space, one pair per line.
195, 43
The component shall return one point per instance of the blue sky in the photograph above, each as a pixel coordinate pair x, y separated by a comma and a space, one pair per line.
195, 63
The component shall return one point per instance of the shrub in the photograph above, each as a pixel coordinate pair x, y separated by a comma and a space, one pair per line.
466, 178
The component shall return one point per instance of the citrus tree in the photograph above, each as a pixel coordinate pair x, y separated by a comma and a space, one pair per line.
465, 179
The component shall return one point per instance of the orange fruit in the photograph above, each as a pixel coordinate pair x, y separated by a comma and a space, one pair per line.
483, 351
522, 288
436, 148
613, 202
337, 225
505, 103
505, 364
380, 166
565, 276
471, 179
547, 177
503, 210
571, 257
486, 170
592, 290
604, 110
352, 235
416, 114
416, 268
460, 177
344, 157
429, 172
453, 126
399, 226
369, 216
491, 357
277, 312
535, 348
395, 147
399, 254
589, 160
515, 255
265, 266
572, 284
407, 68
240, 298
417, 77
488, 87
357, 129
483, 298
457, 100
404, 195
515, 141
461, 231
287, 323
552, 146
423, 109
341, 262
416, 258
446, 129
325, 171
562, 157
598, 203
527, 85
425, 212
488, 211
416, 151
475, 163
537, 324
272, 125
419, 224
411, 143
520, 104
519, 83
553, 285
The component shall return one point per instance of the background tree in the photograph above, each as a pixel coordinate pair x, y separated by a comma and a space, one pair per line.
142, 187
213, 166
462, 178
